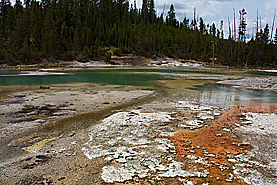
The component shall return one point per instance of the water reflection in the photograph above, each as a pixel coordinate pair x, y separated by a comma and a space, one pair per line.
227, 96
115, 78
203, 90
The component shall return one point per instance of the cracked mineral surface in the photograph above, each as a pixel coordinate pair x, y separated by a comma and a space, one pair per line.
253, 83
137, 146
186, 131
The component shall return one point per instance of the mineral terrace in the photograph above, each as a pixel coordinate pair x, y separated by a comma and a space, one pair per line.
170, 140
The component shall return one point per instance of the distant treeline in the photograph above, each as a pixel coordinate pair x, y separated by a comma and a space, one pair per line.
96, 29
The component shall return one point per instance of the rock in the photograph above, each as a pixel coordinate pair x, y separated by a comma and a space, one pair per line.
111, 174
44, 87
62, 178
121, 160
72, 134
232, 160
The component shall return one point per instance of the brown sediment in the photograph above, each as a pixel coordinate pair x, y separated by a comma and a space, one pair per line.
218, 140
212, 138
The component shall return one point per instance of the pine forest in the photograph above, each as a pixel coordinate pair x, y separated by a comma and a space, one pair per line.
86, 30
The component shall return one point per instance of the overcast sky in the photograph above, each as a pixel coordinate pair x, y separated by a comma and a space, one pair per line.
213, 11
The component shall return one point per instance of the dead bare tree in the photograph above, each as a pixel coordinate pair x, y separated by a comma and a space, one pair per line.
234, 24
272, 26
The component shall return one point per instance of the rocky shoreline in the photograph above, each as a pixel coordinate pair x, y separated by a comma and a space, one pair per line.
253, 83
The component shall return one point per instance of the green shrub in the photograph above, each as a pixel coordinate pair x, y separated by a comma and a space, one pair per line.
68, 56
117, 51
81, 58
52, 59
108, 57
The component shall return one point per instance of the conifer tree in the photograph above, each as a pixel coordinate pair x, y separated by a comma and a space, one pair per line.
265, 35
145, 10
275, 37
152, 15
86, 28
213, 30
242, 25
201, 26
171, 16
24, 52
35, 23
186, 22
49, 35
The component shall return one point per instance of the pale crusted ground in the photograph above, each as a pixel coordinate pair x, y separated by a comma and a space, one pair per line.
134, 143
34, 117
254, 83
133, 147
26, 109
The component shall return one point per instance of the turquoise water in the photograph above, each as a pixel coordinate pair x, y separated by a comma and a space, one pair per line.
262, 73
107, 76
211, 92
9, 72
94, 76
